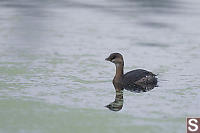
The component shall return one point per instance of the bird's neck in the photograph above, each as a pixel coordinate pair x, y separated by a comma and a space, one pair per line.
119, 71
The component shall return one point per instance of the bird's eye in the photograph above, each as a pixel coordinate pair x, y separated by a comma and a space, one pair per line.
113, 57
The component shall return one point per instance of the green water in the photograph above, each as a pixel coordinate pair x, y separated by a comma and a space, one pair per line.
53, 76
27, 115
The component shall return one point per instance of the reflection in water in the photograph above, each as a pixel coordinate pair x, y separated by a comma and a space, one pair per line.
118, 103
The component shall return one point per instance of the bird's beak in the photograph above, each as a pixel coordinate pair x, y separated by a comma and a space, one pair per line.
107, 59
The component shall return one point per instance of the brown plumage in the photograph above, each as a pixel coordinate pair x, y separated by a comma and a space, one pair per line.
138, 77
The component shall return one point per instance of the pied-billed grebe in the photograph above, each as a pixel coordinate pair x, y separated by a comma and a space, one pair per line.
132, 79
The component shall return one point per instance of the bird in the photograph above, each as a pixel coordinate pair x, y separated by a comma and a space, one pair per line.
138, 80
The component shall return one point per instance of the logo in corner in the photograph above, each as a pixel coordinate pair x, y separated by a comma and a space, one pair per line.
193, 125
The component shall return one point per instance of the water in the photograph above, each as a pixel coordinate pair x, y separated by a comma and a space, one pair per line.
53, 77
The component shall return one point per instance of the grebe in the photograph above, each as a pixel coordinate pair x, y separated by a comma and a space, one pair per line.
132, 79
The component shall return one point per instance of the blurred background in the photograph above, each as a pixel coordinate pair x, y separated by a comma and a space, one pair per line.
53, 76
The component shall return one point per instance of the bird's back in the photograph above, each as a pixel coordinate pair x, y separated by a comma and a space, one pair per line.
138, 76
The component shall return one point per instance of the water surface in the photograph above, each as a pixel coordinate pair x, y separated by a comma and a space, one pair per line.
53, 77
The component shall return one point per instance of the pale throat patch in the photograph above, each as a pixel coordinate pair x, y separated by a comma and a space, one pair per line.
113, 60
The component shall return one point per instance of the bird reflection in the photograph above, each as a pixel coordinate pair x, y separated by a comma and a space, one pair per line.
118, 103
